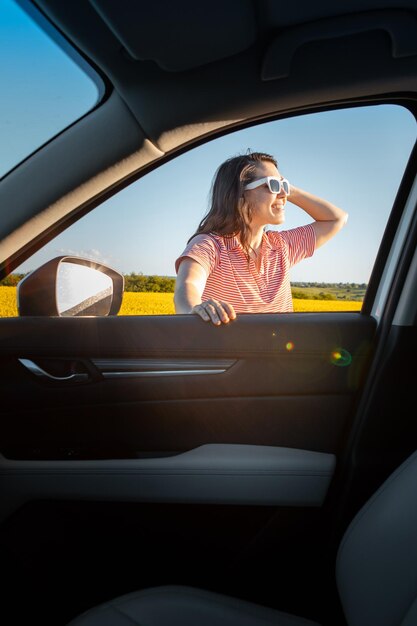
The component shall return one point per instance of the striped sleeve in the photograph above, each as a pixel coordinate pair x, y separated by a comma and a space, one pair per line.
203, 249
300, 242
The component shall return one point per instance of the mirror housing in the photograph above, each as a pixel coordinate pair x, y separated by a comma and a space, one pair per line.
70, 286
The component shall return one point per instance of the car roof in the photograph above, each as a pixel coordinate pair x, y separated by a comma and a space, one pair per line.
179, 73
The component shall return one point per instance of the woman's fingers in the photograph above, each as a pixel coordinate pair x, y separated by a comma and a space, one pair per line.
215, 311
229, 310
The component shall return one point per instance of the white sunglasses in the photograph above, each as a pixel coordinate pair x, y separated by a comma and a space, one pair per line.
275, 185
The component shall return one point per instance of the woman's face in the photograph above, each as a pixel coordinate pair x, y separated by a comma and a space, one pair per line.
267, 207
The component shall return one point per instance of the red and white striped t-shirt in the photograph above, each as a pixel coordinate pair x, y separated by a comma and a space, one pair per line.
232, 279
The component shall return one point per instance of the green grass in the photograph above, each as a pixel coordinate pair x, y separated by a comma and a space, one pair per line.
343, 292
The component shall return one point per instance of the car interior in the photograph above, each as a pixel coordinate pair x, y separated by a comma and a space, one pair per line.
156, 470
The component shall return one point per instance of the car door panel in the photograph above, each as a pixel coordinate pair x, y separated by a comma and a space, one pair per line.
278, 383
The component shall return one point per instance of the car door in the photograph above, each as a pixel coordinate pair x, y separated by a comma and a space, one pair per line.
190, 423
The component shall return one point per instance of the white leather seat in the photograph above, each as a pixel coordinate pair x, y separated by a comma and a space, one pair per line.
376, 573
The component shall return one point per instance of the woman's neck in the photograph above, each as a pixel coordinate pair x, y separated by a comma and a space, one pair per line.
255, 241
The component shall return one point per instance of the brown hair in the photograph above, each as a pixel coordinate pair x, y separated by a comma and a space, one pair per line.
226, 215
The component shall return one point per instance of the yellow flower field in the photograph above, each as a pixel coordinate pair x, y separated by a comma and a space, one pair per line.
163, 304
138, 303
8, 307
308, 306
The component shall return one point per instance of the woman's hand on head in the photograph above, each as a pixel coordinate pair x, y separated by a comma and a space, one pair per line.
215, 311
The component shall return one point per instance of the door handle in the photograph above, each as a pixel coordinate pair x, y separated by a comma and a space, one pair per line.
34, 368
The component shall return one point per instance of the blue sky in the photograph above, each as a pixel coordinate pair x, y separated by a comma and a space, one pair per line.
353, 157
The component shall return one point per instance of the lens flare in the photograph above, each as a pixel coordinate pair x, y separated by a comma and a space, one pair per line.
341, 357
289, 346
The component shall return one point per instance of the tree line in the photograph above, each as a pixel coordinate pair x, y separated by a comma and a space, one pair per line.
139, 282
11, 280
166, 284
133, 282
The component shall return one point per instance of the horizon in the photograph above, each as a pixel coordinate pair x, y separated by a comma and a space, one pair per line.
317, 283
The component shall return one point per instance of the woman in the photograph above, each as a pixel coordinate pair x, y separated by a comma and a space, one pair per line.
231, 265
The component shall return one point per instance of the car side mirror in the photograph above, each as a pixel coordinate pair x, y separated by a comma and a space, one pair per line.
70, 286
